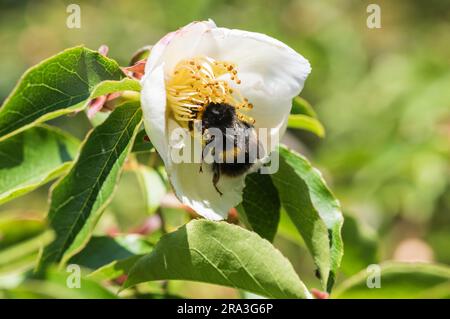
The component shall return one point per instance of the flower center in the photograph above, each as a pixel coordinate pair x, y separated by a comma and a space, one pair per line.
199, 81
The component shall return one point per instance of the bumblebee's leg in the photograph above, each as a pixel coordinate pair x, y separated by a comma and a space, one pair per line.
216, 177
205, 149
201, 164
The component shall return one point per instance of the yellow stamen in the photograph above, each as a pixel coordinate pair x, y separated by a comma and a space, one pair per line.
195, 83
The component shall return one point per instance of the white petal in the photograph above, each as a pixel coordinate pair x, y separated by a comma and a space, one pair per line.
195, 188
263, 61
153, 101
178, 45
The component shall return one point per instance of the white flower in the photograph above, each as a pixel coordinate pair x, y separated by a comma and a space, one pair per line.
200, 64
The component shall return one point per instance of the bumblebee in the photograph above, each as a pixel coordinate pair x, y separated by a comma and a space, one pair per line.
239, 141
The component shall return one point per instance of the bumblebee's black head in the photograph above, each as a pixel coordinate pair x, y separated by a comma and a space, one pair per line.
218, 115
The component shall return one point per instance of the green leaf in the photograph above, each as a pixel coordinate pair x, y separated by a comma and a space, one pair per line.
142, 143
29, 246
141, 54
110, 257
56, 86
79, 199
111, 86
102, 250
304, 117
127, 86
361, 245
55, 285
152, 185
304, 122
260, 207
16, 230
399, 280
20, 242
301, 106
314, 211
22, 256
24, 167
115, 269
223, 254
288, 230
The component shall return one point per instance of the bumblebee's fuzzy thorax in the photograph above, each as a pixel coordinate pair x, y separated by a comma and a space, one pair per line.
218, 115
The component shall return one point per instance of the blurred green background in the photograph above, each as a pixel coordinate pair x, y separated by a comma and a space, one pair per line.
383, 96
